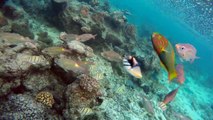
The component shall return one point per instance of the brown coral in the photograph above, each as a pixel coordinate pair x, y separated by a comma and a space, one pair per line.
45, 98
84, 11
88, 83
99, 17
130, 31
3, 20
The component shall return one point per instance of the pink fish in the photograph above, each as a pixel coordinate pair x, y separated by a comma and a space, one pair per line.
180, 74
186, 52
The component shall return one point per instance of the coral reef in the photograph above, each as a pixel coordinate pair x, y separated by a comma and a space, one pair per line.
59, 5
3, 20
8, 86
130, 31
80, 48
89, 84
44, 37
37, 82
22, 107
45, 98
81, 95
22, 29
62, 59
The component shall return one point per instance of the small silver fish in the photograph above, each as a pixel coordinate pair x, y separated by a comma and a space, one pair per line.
148, 106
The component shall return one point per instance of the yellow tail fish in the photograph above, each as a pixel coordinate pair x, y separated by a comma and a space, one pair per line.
166, 54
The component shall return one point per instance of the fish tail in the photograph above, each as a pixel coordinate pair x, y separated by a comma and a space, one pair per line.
163, 106
172, 75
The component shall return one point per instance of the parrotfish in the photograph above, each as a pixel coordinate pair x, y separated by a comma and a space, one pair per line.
67, 37
187, 52
131, 65
168, 98
85, 37
180, 74
112, 56
70, 37
166, 54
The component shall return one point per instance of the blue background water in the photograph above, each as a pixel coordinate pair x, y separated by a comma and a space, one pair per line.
155, 16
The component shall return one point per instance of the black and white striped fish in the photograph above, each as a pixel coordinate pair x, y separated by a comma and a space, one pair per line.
134, 70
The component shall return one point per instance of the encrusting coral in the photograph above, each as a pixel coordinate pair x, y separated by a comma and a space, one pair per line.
88, 83
45, 98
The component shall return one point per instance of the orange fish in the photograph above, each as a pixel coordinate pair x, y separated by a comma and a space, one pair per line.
169, 97
166, 54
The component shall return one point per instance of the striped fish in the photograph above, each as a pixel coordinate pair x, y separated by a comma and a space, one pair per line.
85, 111
134, 71
163, 106
36, 59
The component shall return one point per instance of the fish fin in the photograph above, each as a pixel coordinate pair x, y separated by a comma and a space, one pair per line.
172, 75
162, 65
191, 61
164, 50
181, 60
162, 106
197, 57
94, 36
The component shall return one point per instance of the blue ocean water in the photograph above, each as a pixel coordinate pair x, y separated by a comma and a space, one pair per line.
168, 17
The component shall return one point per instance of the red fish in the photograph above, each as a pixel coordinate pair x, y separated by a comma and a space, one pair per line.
180, 74
168, 98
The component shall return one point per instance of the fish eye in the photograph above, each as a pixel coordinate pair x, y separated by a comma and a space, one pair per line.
182, 48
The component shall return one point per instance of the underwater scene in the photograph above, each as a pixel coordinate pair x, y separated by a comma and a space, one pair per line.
106, 59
